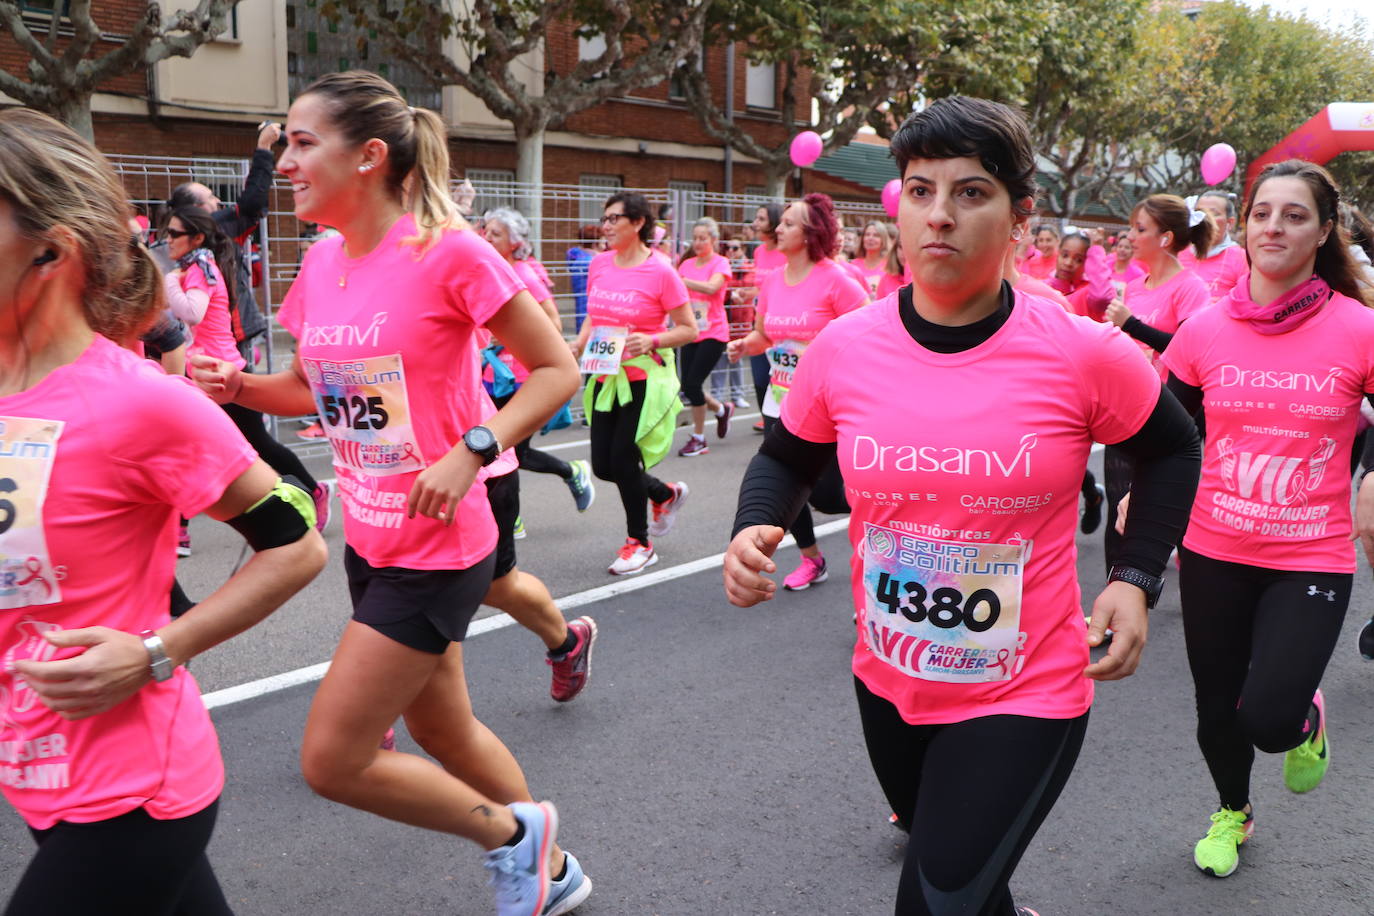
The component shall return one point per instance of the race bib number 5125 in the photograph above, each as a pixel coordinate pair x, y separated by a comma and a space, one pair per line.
365, 411
943, 610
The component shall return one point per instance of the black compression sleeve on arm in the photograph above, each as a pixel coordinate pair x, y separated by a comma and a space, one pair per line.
1190, 396
779, 479
1168, 461
1151, 337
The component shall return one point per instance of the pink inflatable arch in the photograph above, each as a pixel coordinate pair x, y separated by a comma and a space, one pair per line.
1340, 127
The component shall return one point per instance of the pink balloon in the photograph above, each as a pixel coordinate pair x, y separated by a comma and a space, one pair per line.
1218, 162
806, 148
892, 196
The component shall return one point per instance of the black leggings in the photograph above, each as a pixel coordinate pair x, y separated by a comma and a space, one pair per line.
127, 864
279, 457
760, 370
532, 459
1258, 643
990, 783
826, 496
698, 359
616, 458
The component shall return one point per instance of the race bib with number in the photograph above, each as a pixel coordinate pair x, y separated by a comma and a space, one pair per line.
604, 349
943, 610
702, 312
783, 358
365, 412
28, 448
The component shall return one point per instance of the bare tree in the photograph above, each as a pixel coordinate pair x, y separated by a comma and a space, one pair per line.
63, 73
854, 65
494, 34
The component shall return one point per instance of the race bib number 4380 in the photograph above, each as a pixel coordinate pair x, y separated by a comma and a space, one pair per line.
28, 448
943, 610
365, 412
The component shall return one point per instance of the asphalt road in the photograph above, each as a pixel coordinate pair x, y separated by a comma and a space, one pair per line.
715, 764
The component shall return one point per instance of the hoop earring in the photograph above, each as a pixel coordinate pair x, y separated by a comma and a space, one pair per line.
1016, 235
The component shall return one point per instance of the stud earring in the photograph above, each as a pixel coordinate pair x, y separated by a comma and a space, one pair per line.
365, 167
1016, 235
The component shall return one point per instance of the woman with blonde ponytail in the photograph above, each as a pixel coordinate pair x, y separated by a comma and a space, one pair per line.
106, 749
386, 315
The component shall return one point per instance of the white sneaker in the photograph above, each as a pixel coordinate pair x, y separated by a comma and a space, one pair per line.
633, 557
665, 513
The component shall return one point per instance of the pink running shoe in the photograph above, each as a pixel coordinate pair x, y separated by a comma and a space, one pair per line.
810, 572
571, 671
665, 513
388, 740
321, 497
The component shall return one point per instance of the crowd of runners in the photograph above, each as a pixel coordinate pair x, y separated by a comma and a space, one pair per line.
942, 381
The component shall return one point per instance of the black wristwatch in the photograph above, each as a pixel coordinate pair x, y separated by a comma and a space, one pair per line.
1152, 586
483, 443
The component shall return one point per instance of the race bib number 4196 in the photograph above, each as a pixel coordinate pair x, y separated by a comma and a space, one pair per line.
943, 610
605, 348
28, 448
365, 412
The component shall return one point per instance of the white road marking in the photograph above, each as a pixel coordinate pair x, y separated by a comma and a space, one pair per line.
499, 621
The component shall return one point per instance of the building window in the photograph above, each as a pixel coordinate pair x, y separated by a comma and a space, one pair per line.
494, 187
290, 15
687, 196
591, 48
761, 86
594, 191
675, 90
44, 7
293, 63
312, 43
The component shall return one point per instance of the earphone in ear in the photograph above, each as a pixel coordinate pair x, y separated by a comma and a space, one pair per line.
46, 257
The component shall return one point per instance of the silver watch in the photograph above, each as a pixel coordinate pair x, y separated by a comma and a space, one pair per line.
158, 663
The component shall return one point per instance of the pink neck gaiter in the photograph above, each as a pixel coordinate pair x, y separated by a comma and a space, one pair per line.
1283, 314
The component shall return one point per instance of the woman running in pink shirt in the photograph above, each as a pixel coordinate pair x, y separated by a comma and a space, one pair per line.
386, 315
795, 303
962, 414
706, 274
1278, 369
106, 749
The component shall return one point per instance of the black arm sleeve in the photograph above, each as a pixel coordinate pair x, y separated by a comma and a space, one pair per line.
779, 479
1168, 461
1151, 337
243, 217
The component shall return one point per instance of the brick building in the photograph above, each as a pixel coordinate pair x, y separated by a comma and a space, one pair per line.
209, 105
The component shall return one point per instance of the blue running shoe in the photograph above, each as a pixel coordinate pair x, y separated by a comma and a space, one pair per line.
520, 873
567, 894
581, 485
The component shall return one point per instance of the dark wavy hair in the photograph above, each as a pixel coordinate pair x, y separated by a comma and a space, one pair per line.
1334, 262
1171, 213
994, 134
636, 206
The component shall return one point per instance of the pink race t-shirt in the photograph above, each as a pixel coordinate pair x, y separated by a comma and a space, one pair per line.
872, 277
965, 505
799, 312
1282, 411
534, 284
1029, 285
388, 345
214, 336
1221, 272
710, 309
889, 284
93, 485
638, 297
1167, 306
767, 260
1039, 266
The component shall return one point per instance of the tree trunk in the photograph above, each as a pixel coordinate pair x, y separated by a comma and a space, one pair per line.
775, 179
529, 173
76, 114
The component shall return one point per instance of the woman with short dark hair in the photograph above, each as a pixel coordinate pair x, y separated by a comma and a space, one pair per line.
962, 414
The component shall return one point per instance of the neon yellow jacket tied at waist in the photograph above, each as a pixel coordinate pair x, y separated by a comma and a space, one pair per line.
658, 419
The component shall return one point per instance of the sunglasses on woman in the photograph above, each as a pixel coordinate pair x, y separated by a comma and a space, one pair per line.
170, 233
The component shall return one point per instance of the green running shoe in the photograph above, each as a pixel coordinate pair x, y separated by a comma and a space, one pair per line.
1218, 853
1305, 765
